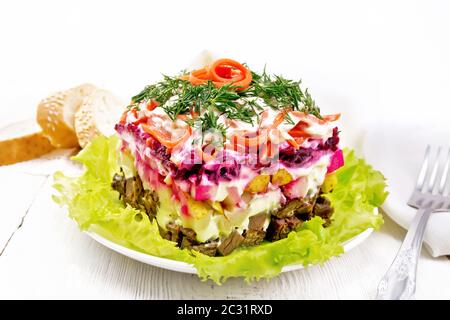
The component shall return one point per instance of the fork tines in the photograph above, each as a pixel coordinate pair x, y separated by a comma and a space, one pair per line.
434, 169
433, 177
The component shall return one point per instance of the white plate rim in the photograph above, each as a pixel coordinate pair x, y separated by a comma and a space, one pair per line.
184, 267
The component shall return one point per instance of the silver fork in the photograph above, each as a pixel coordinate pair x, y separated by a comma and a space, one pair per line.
429, 196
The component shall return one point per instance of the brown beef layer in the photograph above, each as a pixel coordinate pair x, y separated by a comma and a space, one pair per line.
282, 221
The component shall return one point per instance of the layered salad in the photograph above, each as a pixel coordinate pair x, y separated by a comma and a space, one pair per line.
223, 157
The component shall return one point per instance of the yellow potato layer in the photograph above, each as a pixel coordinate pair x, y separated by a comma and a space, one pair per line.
329, 183
281, 177
258, 184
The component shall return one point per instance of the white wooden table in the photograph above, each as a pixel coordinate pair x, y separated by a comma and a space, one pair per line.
44, 255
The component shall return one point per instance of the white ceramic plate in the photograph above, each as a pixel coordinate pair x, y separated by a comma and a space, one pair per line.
187, 268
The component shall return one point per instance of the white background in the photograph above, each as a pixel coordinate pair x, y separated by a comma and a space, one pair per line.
374, 61
383, 59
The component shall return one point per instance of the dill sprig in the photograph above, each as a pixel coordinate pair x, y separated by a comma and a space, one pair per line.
178, 96
209, 120
161, 91
278, 93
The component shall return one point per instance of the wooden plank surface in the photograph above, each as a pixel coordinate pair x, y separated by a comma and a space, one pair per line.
18, 198
48, 257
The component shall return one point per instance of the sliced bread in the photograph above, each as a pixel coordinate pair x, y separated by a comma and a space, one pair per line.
22, 141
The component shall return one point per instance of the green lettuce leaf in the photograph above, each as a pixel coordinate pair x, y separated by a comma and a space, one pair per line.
95, 206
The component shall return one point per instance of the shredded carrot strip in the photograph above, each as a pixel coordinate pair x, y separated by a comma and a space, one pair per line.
222, 72
164, 137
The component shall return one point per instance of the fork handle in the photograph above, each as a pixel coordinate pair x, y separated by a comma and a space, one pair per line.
399, 283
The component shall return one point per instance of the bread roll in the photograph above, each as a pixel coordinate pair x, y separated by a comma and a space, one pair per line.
97, 115
56, 115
